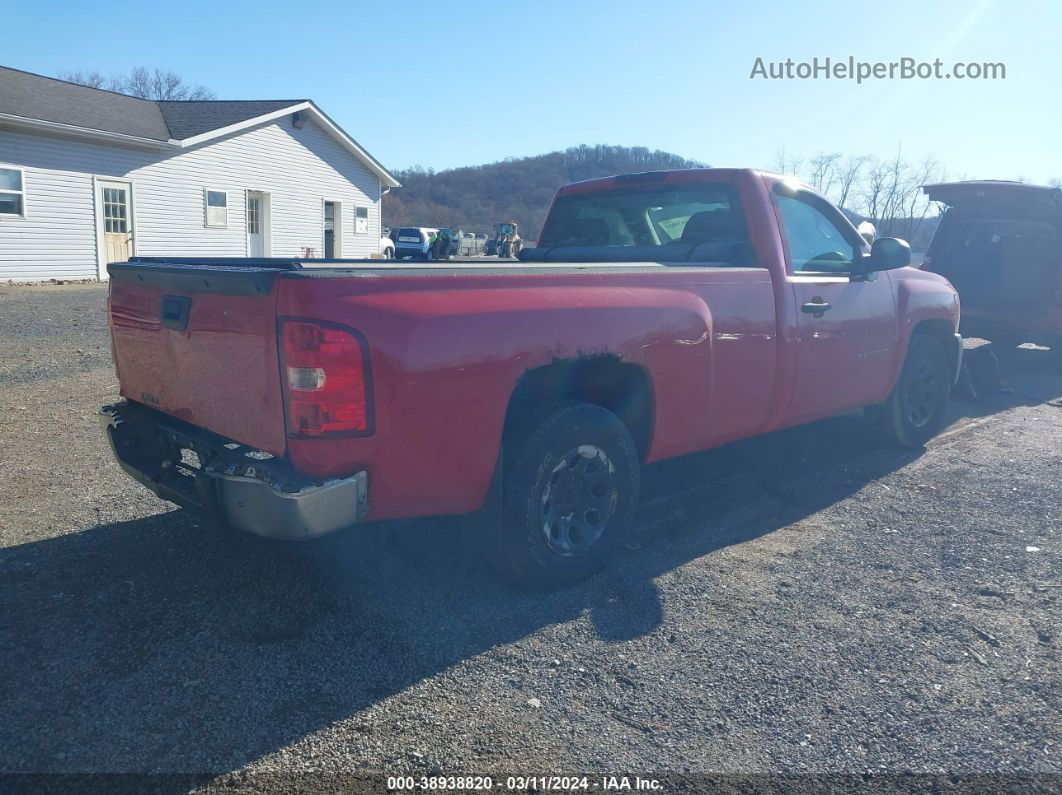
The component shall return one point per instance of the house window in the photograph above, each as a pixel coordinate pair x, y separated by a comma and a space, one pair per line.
114, 209
217, 208
361, 220
254, 215
12, 195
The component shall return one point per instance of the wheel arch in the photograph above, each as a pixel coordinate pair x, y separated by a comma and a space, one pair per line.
937, 327
942, 330
603, 380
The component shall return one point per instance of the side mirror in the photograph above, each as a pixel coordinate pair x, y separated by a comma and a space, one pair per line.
887, 254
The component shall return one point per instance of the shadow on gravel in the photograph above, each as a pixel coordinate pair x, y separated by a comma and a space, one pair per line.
1028, 375
159, 645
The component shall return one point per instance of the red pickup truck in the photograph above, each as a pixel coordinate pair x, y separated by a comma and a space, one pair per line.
662, 313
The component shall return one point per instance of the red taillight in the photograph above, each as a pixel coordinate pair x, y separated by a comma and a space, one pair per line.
325, 380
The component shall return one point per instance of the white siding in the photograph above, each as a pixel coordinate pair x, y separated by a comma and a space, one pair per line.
299, 169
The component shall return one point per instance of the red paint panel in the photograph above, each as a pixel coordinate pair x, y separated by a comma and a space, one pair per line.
447, 351
220, 373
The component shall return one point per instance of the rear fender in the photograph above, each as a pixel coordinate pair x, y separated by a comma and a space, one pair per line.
445, 363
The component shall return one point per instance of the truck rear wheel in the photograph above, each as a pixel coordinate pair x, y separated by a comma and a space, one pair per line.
569, 493
914, 412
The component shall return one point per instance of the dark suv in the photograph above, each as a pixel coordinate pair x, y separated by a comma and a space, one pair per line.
998, 244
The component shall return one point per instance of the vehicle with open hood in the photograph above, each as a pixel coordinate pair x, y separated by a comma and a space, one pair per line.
1000, 244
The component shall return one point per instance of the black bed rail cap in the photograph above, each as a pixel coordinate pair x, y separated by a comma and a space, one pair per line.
272, 263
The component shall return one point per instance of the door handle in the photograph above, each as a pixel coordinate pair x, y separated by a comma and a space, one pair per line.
817, 307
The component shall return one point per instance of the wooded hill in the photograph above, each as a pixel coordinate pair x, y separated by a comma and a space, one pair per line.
474, 198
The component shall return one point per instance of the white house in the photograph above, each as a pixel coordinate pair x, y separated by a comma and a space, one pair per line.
89, 177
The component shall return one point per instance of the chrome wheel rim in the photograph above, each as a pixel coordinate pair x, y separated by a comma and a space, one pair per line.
577, 501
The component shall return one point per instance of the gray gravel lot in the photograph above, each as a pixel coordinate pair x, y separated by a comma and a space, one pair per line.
800, 602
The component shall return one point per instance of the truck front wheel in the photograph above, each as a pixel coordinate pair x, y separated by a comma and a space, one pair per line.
569, 494
915, 410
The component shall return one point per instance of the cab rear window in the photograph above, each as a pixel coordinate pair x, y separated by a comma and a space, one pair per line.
688, 214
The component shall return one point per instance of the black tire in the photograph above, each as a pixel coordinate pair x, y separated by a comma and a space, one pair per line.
915, 410
569, 494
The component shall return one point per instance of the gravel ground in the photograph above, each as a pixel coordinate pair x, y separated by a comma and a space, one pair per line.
801, 602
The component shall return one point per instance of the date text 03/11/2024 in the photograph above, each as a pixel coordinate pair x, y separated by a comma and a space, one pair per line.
524, 783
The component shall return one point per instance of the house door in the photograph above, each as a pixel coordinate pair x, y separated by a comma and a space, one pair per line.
115, 203
257, 218
329, 230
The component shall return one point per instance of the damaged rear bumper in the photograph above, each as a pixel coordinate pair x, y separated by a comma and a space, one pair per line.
231, 483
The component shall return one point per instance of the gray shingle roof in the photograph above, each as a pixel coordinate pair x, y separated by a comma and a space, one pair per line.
187, 119
37, 97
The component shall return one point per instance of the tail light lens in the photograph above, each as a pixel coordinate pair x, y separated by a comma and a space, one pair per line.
326, 380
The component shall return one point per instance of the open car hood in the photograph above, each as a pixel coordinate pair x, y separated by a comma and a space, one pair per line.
997, 194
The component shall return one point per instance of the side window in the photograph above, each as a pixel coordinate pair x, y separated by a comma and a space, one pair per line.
816, 243
217, 207
12, 192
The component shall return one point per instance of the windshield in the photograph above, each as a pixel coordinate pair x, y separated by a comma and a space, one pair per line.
691, 214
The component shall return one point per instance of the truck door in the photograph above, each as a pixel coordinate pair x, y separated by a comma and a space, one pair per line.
846, 333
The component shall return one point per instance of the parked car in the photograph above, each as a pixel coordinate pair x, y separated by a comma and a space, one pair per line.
1000, 244
414, 241
662, 313
387, 245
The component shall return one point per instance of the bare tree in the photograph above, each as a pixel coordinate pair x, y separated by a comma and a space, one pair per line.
156, 84
824, 171
163, 85
92, 79
1055, 182
786, 165
890, 194
849, 173
873, 190
916, 204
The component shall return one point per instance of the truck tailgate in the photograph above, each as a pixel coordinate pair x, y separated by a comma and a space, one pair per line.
200, 344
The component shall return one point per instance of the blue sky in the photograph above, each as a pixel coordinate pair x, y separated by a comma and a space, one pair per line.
461, 83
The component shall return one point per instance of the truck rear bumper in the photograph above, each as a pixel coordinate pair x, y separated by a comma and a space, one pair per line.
231, 483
